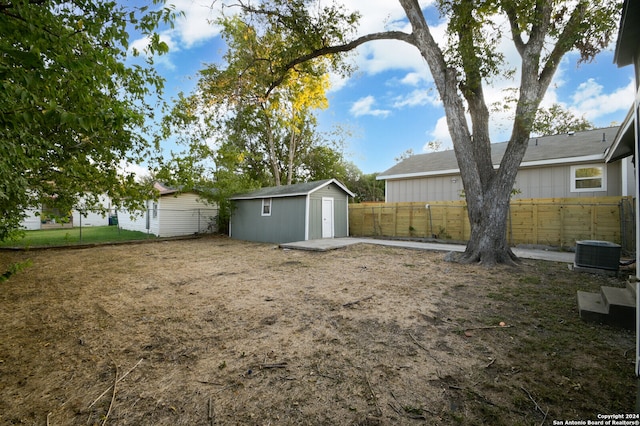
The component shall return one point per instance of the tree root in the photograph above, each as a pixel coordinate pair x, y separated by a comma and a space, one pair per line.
486, 258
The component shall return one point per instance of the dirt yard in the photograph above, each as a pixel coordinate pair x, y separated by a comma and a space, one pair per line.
215, 331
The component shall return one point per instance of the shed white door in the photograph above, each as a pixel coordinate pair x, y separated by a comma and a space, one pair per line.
327, 217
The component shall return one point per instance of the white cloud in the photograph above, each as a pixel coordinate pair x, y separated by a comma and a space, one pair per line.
440, 133
139, 171
418, 97
383, 55
364, 106
142, 43
414, 78
196, 25
590, 101
193, 25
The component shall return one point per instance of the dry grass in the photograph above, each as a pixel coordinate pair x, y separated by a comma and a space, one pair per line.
214, 331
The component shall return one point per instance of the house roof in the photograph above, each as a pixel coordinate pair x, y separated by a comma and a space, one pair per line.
626, 46
589, 145
624, 141
628, 33
295, 190
164, 189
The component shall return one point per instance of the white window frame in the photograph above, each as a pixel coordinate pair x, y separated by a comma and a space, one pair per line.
266, 202
603, 178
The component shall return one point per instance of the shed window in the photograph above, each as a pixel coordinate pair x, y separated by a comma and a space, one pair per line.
266, 207
155, 210
590, 177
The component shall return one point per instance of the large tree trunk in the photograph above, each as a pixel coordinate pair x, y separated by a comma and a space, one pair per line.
487, 191
488, 243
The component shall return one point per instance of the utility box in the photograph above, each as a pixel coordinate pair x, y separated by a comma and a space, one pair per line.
597, 254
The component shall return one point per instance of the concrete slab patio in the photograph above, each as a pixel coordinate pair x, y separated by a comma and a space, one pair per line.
326, 244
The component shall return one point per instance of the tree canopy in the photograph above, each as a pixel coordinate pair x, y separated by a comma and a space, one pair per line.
71, 109
248, 131
556, 120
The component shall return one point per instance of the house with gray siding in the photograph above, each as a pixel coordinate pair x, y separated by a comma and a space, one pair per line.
558, 166
300, 212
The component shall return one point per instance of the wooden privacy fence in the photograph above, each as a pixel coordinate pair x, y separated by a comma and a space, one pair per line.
558, 222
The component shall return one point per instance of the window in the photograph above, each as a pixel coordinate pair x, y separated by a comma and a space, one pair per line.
266, 207
155, 210
589, 177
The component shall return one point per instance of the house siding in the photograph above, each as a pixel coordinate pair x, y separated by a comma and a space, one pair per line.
92, 218
184, 215
437, 188
136, 220
340, 212
178, 215
33, 217
32, 221
555, 182
532, 182
285, 224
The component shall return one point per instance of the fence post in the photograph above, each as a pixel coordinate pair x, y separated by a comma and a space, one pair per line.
395, 220
411, 220
561, 226
535, 223
373, 218
444, 218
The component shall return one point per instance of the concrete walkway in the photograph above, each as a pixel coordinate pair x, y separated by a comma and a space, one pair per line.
326, 244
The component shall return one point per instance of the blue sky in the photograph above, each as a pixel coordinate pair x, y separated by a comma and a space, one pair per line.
389, 103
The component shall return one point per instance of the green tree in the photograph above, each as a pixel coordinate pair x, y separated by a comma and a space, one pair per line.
248, 132
276, 123
366, 187
71, 110
542, 31
556, 120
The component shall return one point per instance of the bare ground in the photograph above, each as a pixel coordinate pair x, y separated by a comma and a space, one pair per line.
215, 331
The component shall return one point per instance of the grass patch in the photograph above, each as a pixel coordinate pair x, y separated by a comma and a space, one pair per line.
71, 236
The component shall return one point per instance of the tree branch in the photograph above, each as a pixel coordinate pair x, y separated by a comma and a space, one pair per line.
331, 50
516, 33
565, 42
10, 5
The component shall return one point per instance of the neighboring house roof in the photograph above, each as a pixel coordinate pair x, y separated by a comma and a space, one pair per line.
295, 190
590, 145
164, 189
628, 34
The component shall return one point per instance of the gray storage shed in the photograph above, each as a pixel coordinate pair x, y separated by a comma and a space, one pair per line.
300, 212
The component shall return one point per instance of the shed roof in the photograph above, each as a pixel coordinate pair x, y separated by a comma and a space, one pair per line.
589, 145
295, 190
